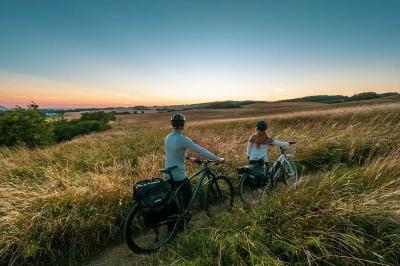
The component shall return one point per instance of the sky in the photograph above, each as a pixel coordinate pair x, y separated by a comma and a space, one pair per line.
123, 53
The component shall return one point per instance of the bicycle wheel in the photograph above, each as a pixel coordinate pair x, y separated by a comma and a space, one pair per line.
290, 175
219, 196
250, 194
146, 233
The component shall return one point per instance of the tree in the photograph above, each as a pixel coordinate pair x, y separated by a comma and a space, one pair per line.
25, 126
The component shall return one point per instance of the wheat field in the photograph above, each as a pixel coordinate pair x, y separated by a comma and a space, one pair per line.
61, 203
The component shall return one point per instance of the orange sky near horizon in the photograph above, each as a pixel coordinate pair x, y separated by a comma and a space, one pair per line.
22, 89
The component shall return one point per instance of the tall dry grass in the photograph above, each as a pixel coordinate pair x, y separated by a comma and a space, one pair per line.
347, 216
58, 204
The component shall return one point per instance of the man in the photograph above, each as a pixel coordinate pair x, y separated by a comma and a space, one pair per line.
176, 145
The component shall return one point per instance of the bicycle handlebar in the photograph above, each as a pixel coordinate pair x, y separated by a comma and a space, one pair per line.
283, 149
205, 162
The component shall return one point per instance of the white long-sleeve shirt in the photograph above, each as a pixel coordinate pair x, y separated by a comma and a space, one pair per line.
261, 153
176, 145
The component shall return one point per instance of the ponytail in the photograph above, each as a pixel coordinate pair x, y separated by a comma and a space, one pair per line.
261, 137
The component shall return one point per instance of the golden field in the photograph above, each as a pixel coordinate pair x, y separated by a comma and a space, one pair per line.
60, 204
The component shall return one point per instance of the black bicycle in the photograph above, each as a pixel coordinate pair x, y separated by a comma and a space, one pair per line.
283, 170
145, 237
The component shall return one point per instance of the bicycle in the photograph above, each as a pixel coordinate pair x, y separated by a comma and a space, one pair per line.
145, 238
283, 169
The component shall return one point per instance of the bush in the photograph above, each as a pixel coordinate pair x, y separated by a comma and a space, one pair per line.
25, 126
66, 130
98, 116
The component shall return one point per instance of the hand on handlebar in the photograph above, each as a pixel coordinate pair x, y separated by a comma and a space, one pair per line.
194, 160
221, 161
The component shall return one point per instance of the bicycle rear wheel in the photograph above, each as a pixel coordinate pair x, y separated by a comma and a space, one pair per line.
250, 194
219, 196
146, 233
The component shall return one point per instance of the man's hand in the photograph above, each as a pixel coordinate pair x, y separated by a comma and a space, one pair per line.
292, 142
221, 161
193, 160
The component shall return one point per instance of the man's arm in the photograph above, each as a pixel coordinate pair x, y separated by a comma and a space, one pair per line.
189, 144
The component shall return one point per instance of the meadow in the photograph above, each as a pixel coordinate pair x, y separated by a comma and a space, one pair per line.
61, 204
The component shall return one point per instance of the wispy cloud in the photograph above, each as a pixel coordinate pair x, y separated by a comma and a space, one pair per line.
125, 96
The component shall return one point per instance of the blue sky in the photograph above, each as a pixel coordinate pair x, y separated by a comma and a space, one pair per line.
154, 52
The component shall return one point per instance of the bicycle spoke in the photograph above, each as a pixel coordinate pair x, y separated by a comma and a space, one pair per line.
219, 197
251, 194
144, 234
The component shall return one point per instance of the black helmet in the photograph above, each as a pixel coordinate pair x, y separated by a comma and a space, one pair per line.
261, 125
178, 120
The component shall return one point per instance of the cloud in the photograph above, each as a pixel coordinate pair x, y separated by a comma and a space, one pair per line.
125, 96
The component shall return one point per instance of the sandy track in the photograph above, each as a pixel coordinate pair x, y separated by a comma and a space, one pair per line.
119, 255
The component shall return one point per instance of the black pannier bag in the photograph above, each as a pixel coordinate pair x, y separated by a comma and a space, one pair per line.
256, 174
152, 195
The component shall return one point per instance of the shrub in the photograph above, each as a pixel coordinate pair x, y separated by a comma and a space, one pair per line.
66, 130
98, 116
25, 126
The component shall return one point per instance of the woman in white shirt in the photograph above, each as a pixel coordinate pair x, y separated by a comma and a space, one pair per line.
257, 147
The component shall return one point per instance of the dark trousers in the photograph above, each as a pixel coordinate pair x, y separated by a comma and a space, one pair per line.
185, 191
185, 194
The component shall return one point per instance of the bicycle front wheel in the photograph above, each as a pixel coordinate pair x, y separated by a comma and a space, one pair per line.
146, 233
250, 194
290, 174
219, 196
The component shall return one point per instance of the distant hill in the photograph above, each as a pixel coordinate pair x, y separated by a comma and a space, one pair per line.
342, 98
209, 105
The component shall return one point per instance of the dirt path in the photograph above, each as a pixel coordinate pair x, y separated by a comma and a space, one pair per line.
117, 255
121, 255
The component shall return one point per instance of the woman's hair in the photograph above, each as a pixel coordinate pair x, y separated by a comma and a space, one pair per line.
261, 137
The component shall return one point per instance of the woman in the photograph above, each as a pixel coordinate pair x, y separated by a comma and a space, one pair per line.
257, 147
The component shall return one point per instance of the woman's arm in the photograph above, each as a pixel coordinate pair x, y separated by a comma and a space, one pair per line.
279, 143
249, 148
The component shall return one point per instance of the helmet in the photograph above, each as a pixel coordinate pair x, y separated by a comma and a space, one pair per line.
178, 120
261, 125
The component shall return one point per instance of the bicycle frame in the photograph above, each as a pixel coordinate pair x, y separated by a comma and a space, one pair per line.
274, 171
204, 172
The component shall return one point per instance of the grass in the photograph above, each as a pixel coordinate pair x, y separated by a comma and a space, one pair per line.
59, 204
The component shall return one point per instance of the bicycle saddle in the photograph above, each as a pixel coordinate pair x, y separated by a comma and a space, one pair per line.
168, 169
250, 166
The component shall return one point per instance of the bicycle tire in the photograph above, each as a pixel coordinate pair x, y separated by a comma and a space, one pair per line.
128, 233
214, 191
255, 192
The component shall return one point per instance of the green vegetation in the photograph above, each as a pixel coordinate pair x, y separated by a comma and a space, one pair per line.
341, 98
70, 199
25, 127
99, 116
88, 122
30, 127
